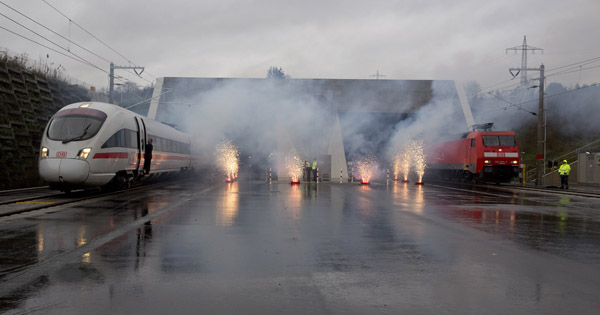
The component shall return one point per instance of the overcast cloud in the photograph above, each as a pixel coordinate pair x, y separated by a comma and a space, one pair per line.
464, 39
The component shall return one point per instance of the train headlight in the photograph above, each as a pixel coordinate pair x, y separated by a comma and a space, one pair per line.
487, 161
44, 152
84, 153
515, 162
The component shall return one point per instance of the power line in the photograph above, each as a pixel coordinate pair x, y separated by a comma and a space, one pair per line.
55, 33
94, 36
565, 92
58, 52
54, 50
80, 59
518, 106
591, 60
98, 39
576, 67
25, 27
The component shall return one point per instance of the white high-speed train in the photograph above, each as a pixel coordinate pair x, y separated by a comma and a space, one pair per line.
93, 144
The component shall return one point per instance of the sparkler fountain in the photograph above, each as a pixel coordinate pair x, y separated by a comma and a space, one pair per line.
418, 159
295, 167
401, 165
396, 166
228, 160
366, 169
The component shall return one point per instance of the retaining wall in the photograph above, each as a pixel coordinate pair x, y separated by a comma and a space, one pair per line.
27, 101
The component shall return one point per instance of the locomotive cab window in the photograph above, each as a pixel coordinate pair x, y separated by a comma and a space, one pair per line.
507, 141
499, 141
75, 124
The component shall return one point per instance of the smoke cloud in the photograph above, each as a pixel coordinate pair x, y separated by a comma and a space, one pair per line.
257, 113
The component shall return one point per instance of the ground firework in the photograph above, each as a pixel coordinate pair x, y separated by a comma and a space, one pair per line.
228, 160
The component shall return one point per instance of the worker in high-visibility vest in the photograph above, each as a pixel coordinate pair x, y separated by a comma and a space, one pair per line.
307, 170
564, 170
314, 169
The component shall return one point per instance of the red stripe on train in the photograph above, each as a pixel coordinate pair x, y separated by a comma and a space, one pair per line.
111, 155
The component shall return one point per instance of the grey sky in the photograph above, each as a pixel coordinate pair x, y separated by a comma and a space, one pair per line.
464, 39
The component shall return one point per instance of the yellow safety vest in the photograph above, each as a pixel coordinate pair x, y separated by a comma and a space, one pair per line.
564, 169
314, 165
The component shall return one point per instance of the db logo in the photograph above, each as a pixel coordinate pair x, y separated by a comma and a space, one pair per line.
61, 154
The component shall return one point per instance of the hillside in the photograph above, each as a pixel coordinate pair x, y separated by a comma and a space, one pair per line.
28, 97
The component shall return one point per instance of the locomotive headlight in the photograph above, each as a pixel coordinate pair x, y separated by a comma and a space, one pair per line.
85, 152
515, 162
44, 152
487, 161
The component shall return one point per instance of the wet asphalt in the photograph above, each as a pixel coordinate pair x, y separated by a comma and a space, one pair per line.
256, 248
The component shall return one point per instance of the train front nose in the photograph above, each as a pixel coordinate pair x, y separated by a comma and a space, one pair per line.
68, 171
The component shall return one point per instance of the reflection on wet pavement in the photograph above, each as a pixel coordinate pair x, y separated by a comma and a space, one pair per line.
247, 247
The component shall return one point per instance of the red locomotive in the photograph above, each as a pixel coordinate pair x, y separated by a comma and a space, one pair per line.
480, 156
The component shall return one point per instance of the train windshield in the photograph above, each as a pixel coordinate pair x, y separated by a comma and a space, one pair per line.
499, 141
76, 124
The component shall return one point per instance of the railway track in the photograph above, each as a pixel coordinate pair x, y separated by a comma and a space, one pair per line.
23, 201
512, 187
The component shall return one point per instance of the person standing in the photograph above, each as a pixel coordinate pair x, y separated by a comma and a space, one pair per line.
564, 171
148, 156
304, 170
307, 170
314, 170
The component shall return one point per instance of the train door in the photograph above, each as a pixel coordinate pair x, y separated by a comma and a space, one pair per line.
141, 140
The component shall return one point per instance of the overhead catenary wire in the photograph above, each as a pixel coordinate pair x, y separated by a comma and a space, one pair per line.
577, 64
564, 92
42, 36
53, 32
98, 39
54, 50
575, 67
78, 58
89, 33
518, 106
58, 52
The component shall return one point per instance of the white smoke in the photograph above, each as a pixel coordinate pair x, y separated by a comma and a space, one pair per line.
255, 113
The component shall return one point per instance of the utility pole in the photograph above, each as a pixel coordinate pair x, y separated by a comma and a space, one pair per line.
523, 48
112, 78
541, 137
377, 75
540, 131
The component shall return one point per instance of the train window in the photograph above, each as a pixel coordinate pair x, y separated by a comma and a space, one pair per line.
123, 138
166, 145
70, 125
472, 143
507, 141
490, 141
499, 141
131, 139
156, 143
